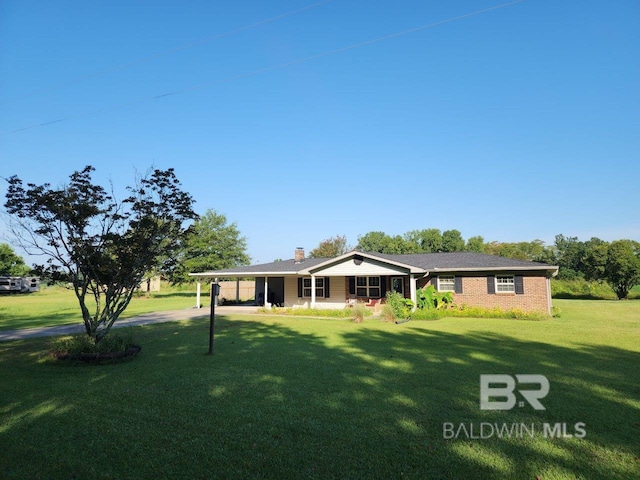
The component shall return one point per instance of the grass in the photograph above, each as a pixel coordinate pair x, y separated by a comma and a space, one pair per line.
290, 397
59, 306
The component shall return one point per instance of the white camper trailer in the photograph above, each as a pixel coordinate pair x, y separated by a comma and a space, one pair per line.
19, 284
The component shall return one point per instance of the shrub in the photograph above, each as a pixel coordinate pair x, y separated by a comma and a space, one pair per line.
479, 312
112, 348
80, 344
580, 288
400, 306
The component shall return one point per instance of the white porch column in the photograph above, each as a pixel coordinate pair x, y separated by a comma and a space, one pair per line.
266, 292
313, 291
413, 291
198, 294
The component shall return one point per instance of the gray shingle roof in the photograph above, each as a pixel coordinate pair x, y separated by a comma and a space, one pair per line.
458, 261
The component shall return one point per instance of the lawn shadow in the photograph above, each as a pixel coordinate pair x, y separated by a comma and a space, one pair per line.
280, 400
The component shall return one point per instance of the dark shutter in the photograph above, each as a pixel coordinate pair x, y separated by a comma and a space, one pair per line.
299, 287
326, 287
383, 287
519, 284
458, 284
352, 285
434, 282
491, 284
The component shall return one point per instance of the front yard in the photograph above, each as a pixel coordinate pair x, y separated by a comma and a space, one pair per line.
289, 397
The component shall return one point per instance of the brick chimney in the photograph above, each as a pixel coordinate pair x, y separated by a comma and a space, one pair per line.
299, 255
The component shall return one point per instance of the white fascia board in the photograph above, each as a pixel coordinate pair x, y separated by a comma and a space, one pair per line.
496, 269
241, 274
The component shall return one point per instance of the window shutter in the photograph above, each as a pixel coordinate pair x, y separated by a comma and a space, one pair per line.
491, 284
458, 285
299, 287
434, 282
352, 285
519, 284
326, 287
383, 287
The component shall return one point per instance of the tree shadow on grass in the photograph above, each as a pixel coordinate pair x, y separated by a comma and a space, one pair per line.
328, 399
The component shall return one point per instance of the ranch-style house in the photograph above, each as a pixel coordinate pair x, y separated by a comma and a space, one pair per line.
475, 279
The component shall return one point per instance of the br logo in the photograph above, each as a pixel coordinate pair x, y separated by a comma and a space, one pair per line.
503, 387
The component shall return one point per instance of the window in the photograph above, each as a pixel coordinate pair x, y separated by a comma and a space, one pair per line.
306, 287
446, 283
368, 287
505, 284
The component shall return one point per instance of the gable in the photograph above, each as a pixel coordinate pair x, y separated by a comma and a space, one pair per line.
359, 266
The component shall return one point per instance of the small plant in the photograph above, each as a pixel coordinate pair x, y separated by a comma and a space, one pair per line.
359, 312
429, 297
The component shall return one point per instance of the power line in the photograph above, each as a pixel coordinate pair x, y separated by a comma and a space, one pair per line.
211, 38
279, 66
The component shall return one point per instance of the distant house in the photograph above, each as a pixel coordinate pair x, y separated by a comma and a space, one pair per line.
474, 279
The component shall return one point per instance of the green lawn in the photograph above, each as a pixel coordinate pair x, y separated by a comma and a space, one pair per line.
296, 397
59, 306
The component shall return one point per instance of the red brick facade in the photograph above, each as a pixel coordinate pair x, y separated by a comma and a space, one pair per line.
475, 293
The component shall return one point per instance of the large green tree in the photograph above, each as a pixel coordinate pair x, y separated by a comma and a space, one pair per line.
569, 254
331, 247
104, 245
594, 259
380, 242
427, 240
11, 263
475, 244
622, 268
452, 241
211, 244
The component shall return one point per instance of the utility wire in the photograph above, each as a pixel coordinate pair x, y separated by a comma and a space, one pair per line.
139, 61
279, 66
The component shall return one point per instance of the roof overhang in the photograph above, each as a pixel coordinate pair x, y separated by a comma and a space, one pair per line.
232, 273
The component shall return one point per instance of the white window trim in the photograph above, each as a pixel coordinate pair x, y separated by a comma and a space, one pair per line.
505, 287
452, 283
369, 287
319, 289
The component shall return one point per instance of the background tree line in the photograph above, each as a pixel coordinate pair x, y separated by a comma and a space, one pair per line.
593, 260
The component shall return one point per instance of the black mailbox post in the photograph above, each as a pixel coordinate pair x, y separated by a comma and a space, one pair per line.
215, 291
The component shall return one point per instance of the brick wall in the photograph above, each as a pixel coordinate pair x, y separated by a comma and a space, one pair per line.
474, 293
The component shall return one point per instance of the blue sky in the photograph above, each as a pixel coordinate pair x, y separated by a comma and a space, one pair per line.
518, 123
